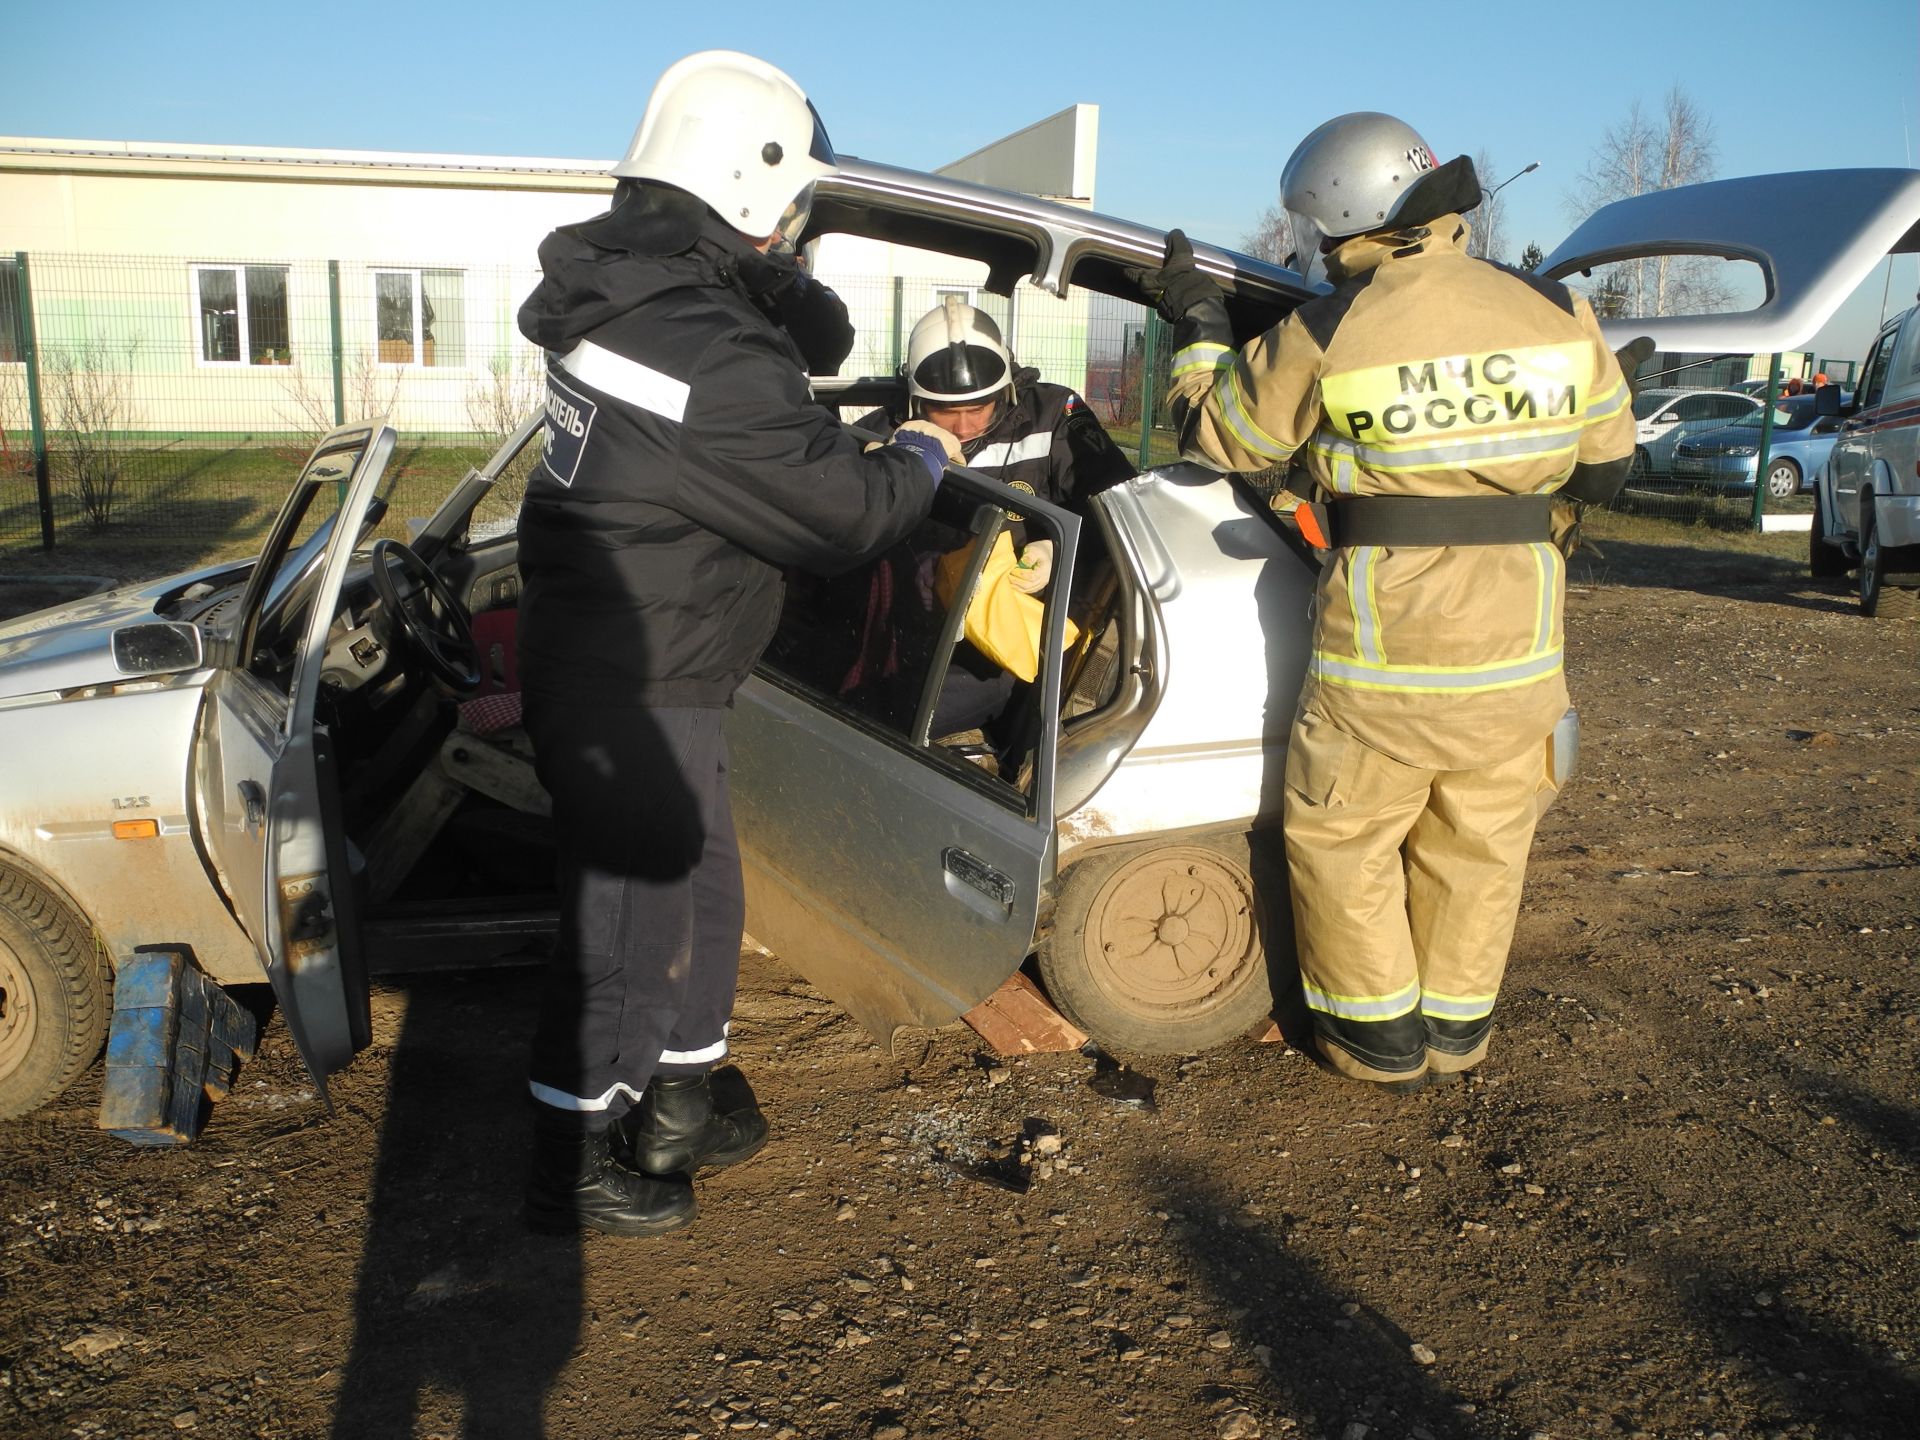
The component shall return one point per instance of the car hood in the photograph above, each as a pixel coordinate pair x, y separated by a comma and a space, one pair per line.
72, 645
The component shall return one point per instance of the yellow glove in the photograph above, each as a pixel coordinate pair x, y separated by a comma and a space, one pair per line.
1035, 568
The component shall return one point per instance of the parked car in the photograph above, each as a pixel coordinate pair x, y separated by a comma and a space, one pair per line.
1667, 416
1866, 513
1726, 457
281, 767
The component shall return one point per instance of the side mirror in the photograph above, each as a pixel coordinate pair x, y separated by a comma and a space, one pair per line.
160, 647
1826, 400
1666, 419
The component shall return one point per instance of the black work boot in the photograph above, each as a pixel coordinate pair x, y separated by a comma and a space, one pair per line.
576, 1184
686, 1121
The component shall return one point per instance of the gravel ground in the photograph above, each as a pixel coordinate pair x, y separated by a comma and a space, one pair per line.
1678, 1200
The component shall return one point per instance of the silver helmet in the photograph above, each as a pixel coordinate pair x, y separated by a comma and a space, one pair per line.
1350, 176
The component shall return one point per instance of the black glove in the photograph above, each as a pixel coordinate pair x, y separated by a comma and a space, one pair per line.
1178, 287
1632, 356
816, 319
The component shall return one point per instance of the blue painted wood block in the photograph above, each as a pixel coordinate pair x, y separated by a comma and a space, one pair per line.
177, 1039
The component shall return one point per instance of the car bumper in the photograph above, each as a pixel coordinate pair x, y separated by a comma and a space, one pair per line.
1733, 472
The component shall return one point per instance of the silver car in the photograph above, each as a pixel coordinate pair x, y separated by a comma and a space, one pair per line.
290, 768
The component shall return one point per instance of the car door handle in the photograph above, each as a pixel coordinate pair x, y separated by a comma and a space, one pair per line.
975, 874
253, 804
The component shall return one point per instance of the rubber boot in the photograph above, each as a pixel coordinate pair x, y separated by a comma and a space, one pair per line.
684, 1122
576, 1184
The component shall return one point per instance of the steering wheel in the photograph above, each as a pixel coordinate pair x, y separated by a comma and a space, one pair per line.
433, 620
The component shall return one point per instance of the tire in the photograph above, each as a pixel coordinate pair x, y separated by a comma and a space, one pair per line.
1877, 597
1783, 479
55, 992
1639, 466
1824, 561
1157, 949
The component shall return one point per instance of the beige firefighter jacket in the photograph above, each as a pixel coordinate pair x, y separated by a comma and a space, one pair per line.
1426, 372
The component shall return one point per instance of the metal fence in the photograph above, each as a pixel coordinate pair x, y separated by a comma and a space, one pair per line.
1728, 440
163, 402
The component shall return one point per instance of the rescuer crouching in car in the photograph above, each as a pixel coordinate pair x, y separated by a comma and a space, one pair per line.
1031, 435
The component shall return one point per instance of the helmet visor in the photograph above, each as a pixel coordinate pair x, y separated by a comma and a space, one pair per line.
1310, 244
821, 149
793, 220
959, 371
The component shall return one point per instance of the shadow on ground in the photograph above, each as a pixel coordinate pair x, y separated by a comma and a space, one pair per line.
462, 1319
1329, 1368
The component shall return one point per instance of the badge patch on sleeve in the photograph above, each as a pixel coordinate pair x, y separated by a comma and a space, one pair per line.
569, 422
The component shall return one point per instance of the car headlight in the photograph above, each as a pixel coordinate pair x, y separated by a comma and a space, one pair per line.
1744, 450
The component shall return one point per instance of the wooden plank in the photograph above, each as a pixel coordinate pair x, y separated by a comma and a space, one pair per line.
409, 828
496, 772
1018, 1020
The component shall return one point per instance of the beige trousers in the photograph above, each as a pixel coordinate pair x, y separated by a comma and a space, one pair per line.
1406, 886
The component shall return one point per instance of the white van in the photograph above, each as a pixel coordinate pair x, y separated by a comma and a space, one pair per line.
1867, 496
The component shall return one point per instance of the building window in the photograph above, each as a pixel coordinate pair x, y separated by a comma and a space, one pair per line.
420, 317
12, 340
243, 314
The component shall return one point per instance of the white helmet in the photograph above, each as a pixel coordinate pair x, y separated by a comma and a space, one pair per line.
1350, 176
737, 133
955, 354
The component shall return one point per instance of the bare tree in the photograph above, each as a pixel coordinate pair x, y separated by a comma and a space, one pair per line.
509, 393
1271, 238
369, 390
1645, 153
15, 449
90, 397
1483, 221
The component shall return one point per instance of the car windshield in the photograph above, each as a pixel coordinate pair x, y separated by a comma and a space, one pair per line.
1647, 404
1795, 413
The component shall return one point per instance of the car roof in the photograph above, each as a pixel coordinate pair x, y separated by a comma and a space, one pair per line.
1809, 268
1676, 391
1021, 237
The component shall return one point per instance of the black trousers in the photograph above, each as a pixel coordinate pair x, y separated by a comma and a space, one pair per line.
651, 906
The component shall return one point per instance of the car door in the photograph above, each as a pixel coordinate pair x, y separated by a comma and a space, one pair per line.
1685, 417
1852, 461
898, 868
266, 788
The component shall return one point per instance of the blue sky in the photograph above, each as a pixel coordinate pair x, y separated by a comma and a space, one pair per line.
1199, 105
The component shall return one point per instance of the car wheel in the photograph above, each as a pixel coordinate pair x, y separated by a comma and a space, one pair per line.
1640, 465
1824, 561
1877, 597
1783, 479
54, 996
1157, 949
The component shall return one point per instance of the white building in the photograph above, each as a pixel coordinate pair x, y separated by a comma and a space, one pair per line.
243, 293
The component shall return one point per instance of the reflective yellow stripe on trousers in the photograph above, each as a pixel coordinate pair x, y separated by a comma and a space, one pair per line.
1456, 1007
1368, 668
1363, 1007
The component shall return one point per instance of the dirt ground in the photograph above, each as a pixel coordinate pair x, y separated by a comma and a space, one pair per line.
1680, 1198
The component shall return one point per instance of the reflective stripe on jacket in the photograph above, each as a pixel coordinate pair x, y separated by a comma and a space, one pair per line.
1427, 372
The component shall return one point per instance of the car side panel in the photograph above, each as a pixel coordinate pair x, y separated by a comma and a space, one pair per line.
100, 760
1896, 442
1233, 600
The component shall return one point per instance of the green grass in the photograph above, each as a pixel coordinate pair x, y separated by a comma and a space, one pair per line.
178, 507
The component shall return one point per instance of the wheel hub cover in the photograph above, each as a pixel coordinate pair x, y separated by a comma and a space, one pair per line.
1173, 931
16, 1012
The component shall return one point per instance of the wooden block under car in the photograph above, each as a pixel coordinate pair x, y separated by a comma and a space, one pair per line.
1017, 1020
175, 1042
